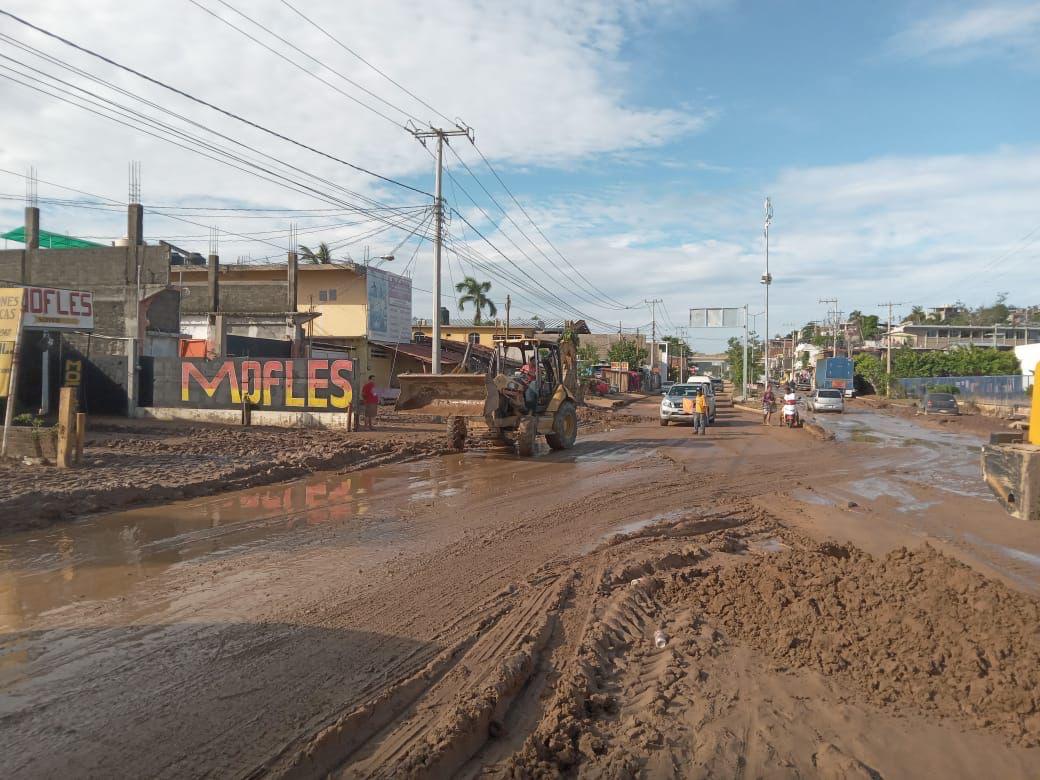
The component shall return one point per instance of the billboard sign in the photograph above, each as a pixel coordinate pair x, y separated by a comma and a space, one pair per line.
10, 322
716, 318
389, 306
48, 308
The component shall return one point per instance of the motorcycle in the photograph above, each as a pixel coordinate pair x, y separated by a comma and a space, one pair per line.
791, 417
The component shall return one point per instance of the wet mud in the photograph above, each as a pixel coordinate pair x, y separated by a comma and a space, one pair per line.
754, 602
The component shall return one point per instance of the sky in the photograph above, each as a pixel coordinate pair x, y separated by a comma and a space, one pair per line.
899, 143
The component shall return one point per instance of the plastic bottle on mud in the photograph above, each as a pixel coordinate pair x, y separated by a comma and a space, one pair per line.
660, 638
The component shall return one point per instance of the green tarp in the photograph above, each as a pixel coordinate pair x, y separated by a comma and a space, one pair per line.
51, 240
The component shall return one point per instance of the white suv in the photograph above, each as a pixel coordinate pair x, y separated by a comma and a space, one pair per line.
672, 403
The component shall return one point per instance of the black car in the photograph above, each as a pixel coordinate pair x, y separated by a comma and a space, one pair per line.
940, 403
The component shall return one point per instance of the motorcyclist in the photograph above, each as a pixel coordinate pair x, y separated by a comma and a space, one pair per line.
790, 407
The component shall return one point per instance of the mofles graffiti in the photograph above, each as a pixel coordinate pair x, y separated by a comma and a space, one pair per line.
313, 385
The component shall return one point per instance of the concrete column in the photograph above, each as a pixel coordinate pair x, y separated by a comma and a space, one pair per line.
213, 282
135, 224
32, 227
132, 389
294, 274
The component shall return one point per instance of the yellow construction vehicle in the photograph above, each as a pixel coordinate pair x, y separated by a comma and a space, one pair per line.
1011, 465
495, 397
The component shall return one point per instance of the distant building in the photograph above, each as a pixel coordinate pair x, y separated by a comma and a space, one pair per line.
489, 333
936, 336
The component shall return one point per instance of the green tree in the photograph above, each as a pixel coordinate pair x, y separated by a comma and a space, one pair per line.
807, 332
871, 370
735, 358
475, 293
868, 325
960, 361
917, 315
626, 351
588, 353
322, 257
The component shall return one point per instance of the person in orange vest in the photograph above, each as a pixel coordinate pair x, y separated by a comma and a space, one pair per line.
700, 414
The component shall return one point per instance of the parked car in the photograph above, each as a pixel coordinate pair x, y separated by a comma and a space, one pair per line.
824, 400
672, 403
939, 403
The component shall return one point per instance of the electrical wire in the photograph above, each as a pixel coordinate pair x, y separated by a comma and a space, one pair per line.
350, 51
297, 65
202, 102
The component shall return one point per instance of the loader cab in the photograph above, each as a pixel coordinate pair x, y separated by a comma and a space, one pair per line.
513, 354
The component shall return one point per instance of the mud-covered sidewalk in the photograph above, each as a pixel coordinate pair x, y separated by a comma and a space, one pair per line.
129, 462
135, 462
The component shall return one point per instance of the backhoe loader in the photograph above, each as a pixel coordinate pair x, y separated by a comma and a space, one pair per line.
495, 397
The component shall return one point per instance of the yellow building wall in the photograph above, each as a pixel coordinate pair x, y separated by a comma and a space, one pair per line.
460, 333
346, 316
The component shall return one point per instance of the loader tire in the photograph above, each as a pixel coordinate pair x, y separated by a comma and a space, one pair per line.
457, 433
565, 427
526, 432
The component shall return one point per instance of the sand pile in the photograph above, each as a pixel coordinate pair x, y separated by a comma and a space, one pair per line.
915, 629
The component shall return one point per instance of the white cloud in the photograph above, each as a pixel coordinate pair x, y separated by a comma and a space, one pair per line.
959, 34
924, 230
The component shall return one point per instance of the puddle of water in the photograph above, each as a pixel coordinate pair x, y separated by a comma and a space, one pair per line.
875, 487
1009, 552
638, 525
773, 545
812, 497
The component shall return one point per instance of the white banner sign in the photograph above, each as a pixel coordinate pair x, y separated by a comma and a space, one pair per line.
716, 318
47, 308
389, 306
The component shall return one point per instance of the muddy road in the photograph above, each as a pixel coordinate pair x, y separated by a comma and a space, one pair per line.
847, 608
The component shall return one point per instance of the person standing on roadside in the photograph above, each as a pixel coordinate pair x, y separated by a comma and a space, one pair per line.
768, 401
700, 414
370, 399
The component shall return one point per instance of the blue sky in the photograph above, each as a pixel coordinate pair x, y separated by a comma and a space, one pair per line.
897, 140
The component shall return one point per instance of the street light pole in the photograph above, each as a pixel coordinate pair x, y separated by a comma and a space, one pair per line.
767, 280
438, 221
743, 390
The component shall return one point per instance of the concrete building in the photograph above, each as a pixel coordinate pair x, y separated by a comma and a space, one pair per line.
603, 341
935, 336
323, 307
488, 334
136, 311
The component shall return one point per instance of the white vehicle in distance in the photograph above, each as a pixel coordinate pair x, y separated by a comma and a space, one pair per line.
827, 401
672, 403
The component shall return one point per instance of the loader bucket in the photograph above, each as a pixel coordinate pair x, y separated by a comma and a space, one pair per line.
1012, 472
445, 395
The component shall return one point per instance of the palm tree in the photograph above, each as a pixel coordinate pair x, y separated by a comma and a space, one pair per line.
474, 292
917, 314
322, 257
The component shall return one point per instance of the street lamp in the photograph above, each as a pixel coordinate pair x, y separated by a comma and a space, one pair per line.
767, 278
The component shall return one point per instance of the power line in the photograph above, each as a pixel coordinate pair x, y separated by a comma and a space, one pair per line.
541, 233
209, 105
498, 205
156, 129
295, 64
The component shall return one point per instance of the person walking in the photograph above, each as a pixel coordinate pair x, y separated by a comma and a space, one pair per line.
768, 402
700, 414
370, 399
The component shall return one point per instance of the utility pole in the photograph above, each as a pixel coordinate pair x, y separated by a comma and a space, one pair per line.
832, 314
438, 221
888, 360
767, 279
653, 329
